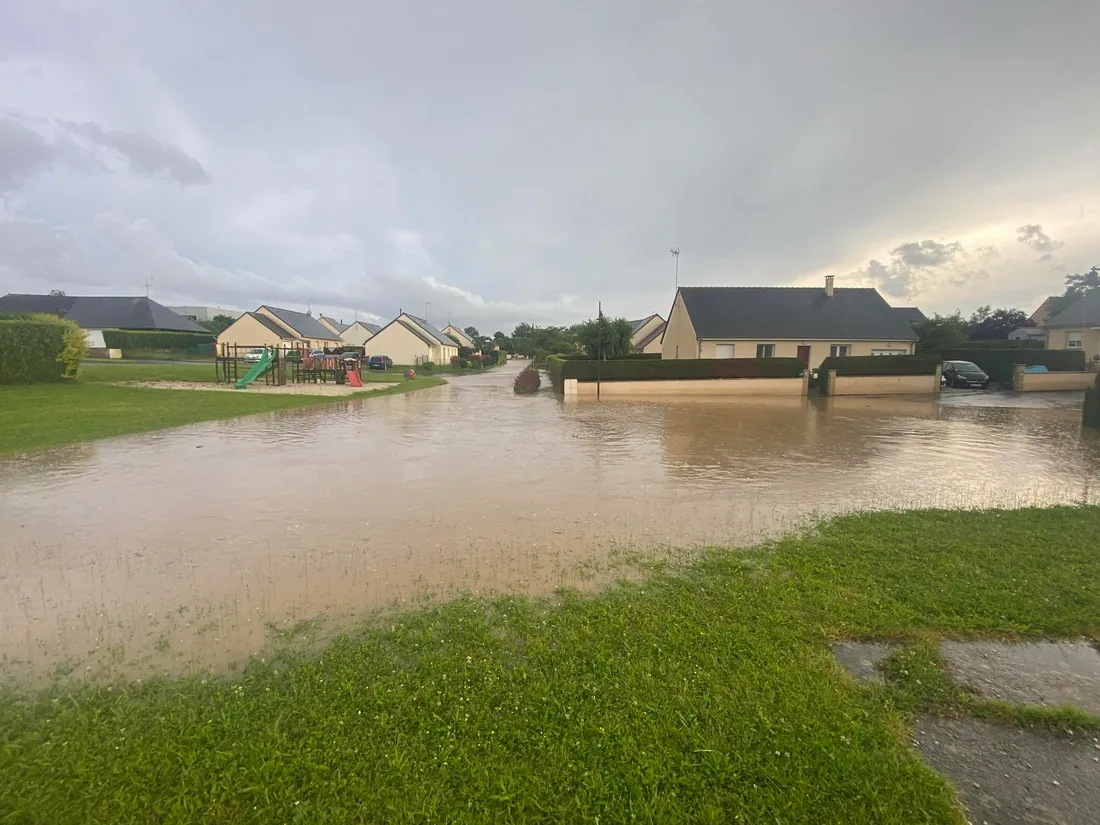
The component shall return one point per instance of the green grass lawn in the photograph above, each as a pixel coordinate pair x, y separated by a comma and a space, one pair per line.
704, 694
48, 415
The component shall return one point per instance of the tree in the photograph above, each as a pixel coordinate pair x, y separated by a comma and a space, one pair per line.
538, 342
218, 324
1077, 287
503, 341
472, 332
57, 293
609, 337
941, 332
988, 326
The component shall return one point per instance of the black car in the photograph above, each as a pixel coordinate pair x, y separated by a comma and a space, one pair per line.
963, 374
379, 362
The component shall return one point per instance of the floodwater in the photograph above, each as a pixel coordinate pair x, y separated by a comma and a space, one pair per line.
190, 549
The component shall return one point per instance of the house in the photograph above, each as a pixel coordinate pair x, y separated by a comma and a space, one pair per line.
332, 325
1040, 316
911, 314
411, 340
1028, 334
646, 336
357, 334
256, 330
205, 313
95, 314
1077, 326
284, 327
459, 335
810, 323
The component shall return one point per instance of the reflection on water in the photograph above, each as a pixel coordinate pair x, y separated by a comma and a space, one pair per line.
182, 549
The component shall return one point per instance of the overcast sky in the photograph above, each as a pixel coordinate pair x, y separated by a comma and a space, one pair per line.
508, 161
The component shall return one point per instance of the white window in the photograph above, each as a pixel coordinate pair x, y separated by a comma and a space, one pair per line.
888, 352
1073, 340
840, 350
723, 351
765, 350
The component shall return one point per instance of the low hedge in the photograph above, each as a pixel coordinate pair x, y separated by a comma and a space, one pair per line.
142, 339
633, 356
1090, 414
40, 349
650, 369
998, 363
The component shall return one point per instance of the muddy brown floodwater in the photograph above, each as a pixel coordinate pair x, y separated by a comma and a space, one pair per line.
186, 549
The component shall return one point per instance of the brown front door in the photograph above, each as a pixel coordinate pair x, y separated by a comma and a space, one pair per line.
804, 356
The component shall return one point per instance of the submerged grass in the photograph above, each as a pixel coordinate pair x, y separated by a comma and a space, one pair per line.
49, 415
706, 696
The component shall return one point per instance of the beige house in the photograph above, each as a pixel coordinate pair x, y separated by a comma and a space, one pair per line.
332, 325
810, 323
411, 340
1077, 326
459, 335
255, 330
359, 333
304, 326
647, 334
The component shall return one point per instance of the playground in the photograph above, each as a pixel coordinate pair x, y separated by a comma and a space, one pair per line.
288, 370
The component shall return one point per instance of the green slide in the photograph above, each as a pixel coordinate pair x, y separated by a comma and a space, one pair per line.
256, 371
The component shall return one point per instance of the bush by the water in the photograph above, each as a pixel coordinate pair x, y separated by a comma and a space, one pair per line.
1091, 412
40, 349
528, 381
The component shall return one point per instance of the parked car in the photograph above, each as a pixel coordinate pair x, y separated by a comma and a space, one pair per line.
253, 356
963, 374
379, 362
316, 353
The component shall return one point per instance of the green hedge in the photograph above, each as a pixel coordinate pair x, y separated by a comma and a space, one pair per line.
40, 349
877, 365
649, 369
1090, 415
998, 363
633, 356
1004, 343
125, 339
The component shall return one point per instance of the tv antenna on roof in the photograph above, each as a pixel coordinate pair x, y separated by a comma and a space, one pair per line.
675, 253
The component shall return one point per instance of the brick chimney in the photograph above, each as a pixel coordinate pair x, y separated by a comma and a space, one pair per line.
829, 285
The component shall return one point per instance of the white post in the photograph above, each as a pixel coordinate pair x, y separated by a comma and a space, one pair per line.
569, 389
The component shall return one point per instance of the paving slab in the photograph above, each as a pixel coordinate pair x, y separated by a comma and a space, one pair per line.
1033, 673
1012, 776
860, 658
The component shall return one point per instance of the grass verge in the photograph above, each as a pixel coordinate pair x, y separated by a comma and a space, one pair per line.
49, 415
708, 695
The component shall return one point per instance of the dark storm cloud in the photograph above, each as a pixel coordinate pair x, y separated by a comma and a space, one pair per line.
918, 266
144, 154
1033, 236
23, 153
927, 253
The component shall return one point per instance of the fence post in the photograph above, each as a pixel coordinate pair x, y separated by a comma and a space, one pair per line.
1018, 377
939, 378
830, 386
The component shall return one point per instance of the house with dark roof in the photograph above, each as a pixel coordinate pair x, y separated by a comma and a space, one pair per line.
1041, 315
332, 324
459, 335
408, 339
1077, 326
810, 323
303, 325
97, 313
646, 335
254, 329
911, 314
359, 333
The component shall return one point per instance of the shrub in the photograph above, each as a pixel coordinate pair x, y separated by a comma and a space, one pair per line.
40, 349
528, 381
1090, 415
456, 362
648, 369
125, 339
464, 364
998, 363
502, 358
428, 366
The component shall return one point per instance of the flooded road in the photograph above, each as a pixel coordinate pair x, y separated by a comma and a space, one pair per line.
191, 548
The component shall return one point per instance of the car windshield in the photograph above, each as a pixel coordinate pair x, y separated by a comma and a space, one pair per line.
966, 366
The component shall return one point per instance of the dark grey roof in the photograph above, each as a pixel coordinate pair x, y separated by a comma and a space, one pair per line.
800, 313
1084, 311
94, 312
305, 325
373, 329
641, 322
658, 331
417, 332
271, 325
911, 314
439, 335
339, 327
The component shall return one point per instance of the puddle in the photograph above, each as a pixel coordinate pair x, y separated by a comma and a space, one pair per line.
1034, 673
1009, 776
861, 658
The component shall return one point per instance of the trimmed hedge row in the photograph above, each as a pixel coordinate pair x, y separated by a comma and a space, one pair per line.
998, 363
40, 349
877, 365
125, 339
650, 369
633, 356
1090, 415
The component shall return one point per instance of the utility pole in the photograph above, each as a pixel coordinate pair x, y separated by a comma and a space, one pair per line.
426, 305
675, 253
599, 348
147, 282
